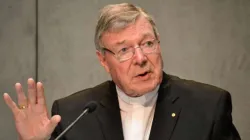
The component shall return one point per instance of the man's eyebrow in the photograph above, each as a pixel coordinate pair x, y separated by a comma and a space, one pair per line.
120, 42
147, 34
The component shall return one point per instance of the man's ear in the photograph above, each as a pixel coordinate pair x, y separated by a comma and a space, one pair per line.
158, 37
102, 60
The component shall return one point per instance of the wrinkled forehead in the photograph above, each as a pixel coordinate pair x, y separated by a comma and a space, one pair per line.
134, 31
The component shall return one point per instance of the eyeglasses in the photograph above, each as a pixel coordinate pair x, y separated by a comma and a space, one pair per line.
126, 53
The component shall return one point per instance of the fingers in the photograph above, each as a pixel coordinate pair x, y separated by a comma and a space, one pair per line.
40, 94
22, 100
11, 104
35, 95
53, 123
32, 91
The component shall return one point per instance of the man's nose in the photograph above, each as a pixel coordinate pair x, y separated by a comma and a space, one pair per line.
140, 57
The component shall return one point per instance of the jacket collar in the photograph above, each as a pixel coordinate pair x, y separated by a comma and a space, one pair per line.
165, 117
167, 110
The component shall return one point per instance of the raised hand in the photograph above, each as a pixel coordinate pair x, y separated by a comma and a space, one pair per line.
31, 115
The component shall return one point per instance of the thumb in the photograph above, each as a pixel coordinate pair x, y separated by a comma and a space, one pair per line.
53, 123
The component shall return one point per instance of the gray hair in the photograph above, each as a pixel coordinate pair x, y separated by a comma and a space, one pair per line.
116, 17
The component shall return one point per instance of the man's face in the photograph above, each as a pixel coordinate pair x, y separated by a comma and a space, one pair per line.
143, 72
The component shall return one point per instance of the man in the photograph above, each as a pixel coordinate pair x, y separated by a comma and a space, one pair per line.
140, 103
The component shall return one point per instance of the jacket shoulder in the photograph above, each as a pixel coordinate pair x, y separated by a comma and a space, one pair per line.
197, 95
200, 100
80, 98
196, 89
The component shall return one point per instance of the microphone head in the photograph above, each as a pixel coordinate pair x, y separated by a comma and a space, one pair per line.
91, 106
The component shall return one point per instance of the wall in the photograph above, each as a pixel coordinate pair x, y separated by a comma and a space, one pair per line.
17, 54
203, 40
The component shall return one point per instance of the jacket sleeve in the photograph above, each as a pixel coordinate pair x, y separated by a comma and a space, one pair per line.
57, 131
224, 128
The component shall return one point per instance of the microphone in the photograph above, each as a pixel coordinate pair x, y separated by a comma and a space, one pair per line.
89, 108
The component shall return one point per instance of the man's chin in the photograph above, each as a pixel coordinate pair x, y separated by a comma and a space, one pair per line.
141, 90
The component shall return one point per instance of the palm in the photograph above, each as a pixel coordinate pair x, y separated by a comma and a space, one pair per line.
32, 123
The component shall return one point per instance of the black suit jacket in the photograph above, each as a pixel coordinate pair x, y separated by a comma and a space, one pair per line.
203, 112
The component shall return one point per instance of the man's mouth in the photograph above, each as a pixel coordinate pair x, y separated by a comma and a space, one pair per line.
143, 74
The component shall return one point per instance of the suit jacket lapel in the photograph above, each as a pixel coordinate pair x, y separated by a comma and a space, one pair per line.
109, 115
166, 113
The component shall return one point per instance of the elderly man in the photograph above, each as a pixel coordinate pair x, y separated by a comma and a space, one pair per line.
140, 103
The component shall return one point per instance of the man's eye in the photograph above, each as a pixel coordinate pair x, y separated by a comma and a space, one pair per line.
149, 44
123, 50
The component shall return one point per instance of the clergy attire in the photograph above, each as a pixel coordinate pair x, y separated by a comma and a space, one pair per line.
177, 109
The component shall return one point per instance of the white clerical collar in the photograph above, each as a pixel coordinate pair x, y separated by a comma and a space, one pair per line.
142, 100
